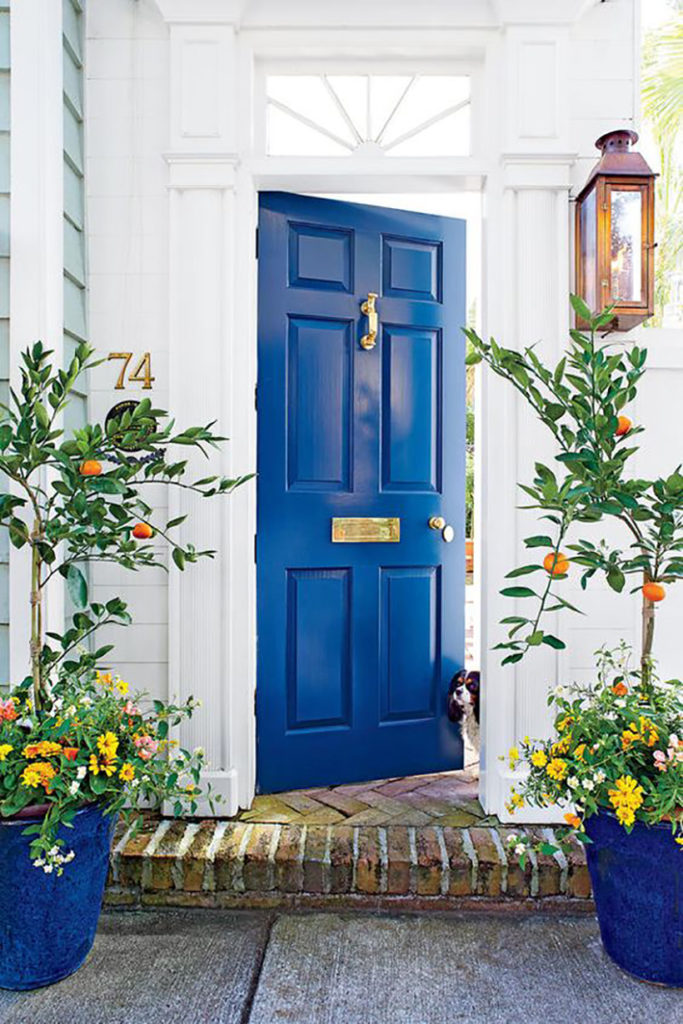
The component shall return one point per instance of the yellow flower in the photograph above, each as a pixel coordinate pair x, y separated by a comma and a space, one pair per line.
562, 747
105, 765
5, 749
539, 759
514, 756
40, 773
516, 800
564, 722
43, 749
108, 744
127, 773
122, 687
557, 769
105, 679
573, 820
579, 752
626, 798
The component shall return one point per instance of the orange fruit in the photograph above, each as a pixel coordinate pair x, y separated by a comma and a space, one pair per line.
654, 592
91, 467
623, 426
142, 531
556, 565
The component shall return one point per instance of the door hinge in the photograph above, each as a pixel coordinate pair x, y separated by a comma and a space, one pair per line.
255, 547
256, 396
256, 243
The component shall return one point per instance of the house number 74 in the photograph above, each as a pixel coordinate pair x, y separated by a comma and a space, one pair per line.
142, 374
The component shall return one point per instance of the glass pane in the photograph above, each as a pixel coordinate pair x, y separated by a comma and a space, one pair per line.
625, 245
289, 137
429, 96
308, 96
588, 251
448, 137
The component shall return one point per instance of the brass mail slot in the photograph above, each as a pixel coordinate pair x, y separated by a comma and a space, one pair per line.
366, 530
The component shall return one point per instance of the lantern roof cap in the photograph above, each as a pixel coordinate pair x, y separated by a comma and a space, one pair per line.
617, 158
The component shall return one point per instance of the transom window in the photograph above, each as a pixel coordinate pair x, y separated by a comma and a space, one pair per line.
368, 115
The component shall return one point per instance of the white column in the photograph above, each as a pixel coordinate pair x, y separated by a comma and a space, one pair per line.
527, 280
36, 243
212, 376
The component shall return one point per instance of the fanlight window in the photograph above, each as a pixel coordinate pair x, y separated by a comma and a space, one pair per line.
368, 115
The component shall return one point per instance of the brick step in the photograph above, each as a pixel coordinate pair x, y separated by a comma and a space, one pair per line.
232, 863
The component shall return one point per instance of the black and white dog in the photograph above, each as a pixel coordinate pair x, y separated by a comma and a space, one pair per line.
463, 704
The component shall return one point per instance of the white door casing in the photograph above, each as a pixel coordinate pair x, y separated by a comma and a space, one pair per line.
522, 160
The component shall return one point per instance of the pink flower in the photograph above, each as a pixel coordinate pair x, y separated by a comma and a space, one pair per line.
145, 754
8, 710
130, 709
660, 760
146, 746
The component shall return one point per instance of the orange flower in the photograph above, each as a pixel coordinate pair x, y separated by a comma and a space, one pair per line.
621, 689
573, 820
70, 753
43, 749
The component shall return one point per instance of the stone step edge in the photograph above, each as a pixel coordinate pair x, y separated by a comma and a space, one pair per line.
180, 862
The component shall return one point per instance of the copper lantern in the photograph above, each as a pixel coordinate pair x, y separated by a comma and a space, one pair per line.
615, 233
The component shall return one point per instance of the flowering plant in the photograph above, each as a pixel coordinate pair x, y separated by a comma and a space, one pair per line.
617, 746
619, 741
94, 743
69, 735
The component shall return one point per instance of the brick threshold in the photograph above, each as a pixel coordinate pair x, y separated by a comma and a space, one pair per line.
234, 864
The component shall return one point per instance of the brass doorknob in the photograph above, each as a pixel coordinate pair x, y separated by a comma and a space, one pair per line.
439, 523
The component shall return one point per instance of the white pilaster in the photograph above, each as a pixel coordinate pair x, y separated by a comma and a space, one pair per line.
212, 604
36, 243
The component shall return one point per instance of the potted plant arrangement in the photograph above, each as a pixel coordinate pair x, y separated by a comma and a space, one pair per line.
76, 748
616, 759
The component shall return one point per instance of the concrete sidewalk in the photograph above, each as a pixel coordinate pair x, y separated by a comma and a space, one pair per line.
231, 967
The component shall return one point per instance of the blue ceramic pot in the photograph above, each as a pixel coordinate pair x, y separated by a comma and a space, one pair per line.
637, 883
48, 923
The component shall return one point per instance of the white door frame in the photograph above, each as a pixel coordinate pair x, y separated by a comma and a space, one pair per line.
524, 167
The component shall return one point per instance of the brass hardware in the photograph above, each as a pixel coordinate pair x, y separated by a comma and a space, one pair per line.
369, 340
366, 530
439, 523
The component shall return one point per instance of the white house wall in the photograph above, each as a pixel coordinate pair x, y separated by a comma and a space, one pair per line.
171, 187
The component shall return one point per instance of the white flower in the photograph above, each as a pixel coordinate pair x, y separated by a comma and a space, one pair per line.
620, 703
588, 785
39, 863
512, 839
48, 868
520, 848
53, 851
599, 776
71, 710
69, 857
86, 701
81, 772
572, 782
74, 788
199, 751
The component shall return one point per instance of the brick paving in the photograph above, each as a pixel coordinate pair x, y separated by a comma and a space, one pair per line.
418, 842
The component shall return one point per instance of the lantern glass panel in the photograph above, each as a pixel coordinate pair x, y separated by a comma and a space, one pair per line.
588, 236
626, 209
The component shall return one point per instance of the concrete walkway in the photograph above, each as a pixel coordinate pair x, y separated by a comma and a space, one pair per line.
228, 967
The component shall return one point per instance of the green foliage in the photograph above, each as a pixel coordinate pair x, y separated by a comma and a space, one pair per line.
579, 401
69, 519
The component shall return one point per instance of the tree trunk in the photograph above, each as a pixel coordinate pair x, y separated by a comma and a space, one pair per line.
648, 620
36, 619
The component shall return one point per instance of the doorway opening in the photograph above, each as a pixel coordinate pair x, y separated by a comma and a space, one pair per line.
309, 474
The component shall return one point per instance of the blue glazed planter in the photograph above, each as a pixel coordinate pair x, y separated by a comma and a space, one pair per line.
48, 923
637, 883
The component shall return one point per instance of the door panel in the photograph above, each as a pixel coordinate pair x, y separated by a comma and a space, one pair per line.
357, 641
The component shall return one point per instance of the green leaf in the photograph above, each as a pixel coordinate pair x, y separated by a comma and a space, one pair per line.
179, 558
616, 579
540, 541
580, 308
511, 659
518, 592
77, 586
523, 570
553, 641
535, 639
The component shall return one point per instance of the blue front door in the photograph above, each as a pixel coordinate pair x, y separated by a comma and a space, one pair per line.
358, 638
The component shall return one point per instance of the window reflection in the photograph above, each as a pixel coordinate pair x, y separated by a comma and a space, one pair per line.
625, 245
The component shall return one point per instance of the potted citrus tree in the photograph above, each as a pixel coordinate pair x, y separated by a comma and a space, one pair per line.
76, 747
616, 759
